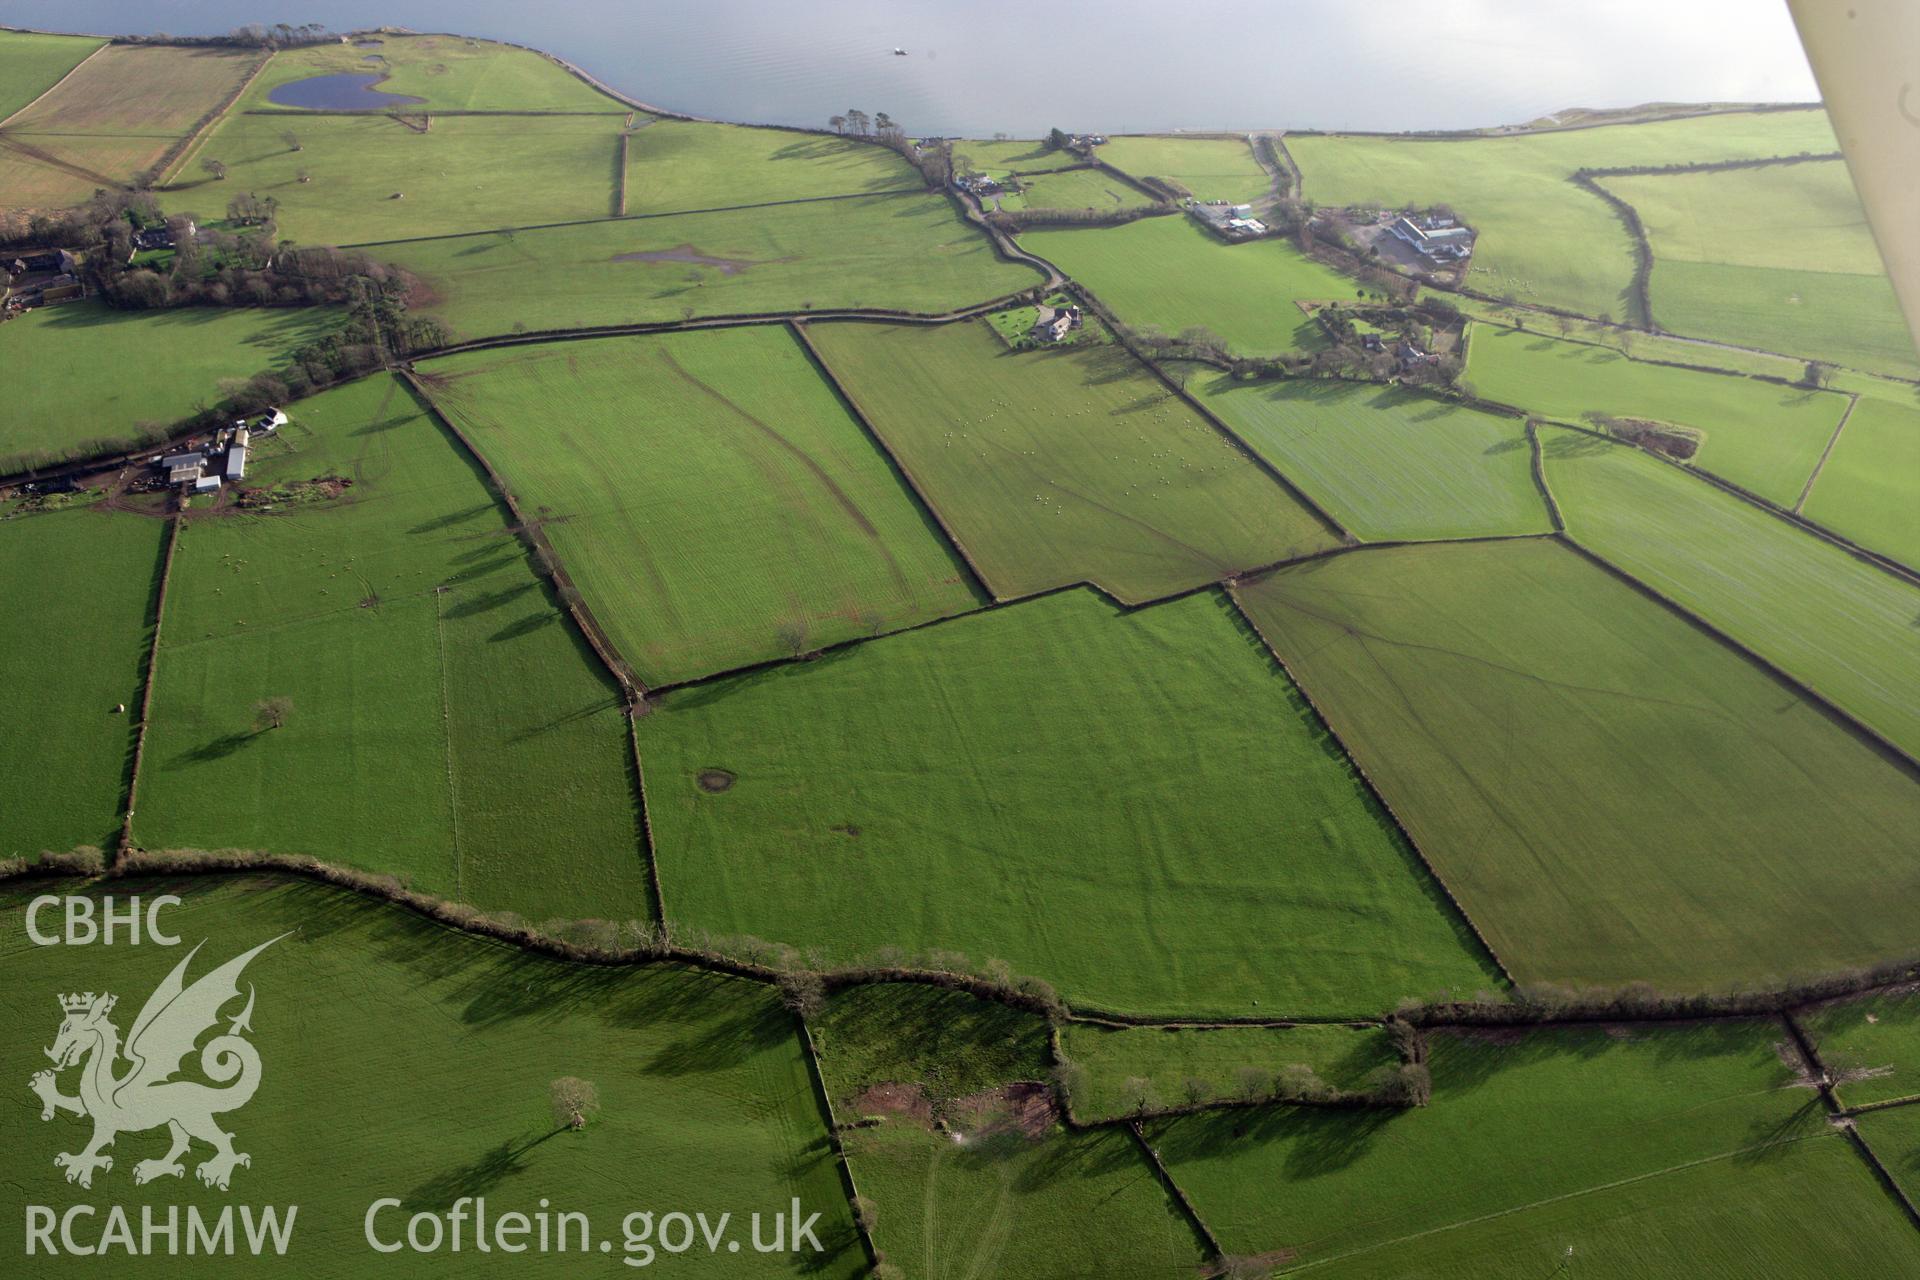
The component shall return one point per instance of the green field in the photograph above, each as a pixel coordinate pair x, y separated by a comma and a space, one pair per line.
1869, 489
1224, 1061
948, 1044
1006, 1205
1169, 273
31, 63
1815, 611
908, 252
1386, 462
1894, 1136
1764, 437
1014, 156
989, 1195
677, 165
79, 586
1135, 806
447, 1046
451, 73
1612, 795
447, 724
1074, 189
1777, 257
1637, 342
707, 492
375, 178
1542, 239
164, 365
1641, 1145
1059, 467
1210, 168
111, 122
1870, 1043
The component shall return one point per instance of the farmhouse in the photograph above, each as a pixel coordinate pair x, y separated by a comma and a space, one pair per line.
1054, 324
183, 468
1437, 238
1230, 221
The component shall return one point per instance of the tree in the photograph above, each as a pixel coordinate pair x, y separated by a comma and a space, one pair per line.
575, 1101
1057, 139
882, 122
271, 713
866, 1213
1138, 1091
803, 993
857, 121
837, 123
1195, 1090
1818, 374
215, 168
292, 140
1252, 1083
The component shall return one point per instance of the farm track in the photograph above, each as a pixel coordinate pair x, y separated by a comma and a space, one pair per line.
1853, 402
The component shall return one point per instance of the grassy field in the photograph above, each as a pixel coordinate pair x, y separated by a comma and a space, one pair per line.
990, 1195
1074, 189
1763, 437
1013, 156
1542, 239
1135, 806
447, 1046
113, 120
1871, 1044
677, 165
164, 365
1894, 1136
452, 73
76, 630
1667, 1136
1778, 257
31, 63
1167, 272
1144, 497
1211, 168
1815, 611
1812, 1210
948, 1043
376, 178
448, 725
1219, 1058
1387, 462
1551, 738
1023, 1208
1869, 490
707, 492
1640, 343
908, 252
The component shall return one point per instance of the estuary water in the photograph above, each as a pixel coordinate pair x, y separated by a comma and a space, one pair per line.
978, 67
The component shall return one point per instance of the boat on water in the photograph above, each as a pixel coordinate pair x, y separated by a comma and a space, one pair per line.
898, 52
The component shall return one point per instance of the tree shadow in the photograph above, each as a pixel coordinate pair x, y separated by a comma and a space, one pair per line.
218, 749
476, 1177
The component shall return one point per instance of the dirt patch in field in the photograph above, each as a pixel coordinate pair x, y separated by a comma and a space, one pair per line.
896, 1101
1679, 443
714, 781
1024, 1107
693, 257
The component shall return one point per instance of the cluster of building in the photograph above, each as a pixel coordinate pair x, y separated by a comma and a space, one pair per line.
223, 460
1436, 238
161, 237
1053, 324
1233, 221
40, 277
979, 184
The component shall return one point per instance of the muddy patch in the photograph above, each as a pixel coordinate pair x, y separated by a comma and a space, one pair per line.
896, 1101
686, 253
714, 781
1024, 1108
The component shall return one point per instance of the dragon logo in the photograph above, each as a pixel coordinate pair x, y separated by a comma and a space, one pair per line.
146, 1094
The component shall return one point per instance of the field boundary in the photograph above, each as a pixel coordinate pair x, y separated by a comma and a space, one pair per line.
182, 147
1865, 733
106, 43
637, 217
1540, 478
146, 691
645, 816
900, 468
824, 1096
1853, 402
536, 541
1640, 290
1842, 1120
1176, 1193
1373, 789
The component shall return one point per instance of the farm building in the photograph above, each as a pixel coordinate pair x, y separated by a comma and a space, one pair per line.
1231, 221
1053, 324
1435, 237
183, 468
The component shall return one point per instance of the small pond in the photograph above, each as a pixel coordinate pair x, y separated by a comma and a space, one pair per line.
341, 92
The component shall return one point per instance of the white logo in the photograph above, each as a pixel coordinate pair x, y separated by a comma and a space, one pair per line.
145, 1095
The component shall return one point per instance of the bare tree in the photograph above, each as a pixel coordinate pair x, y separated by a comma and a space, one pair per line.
803, 993
1139, 1094
271, 713
837, 123
1252, 1083
217, 169
1195, 1090
575, 1101
292, 140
